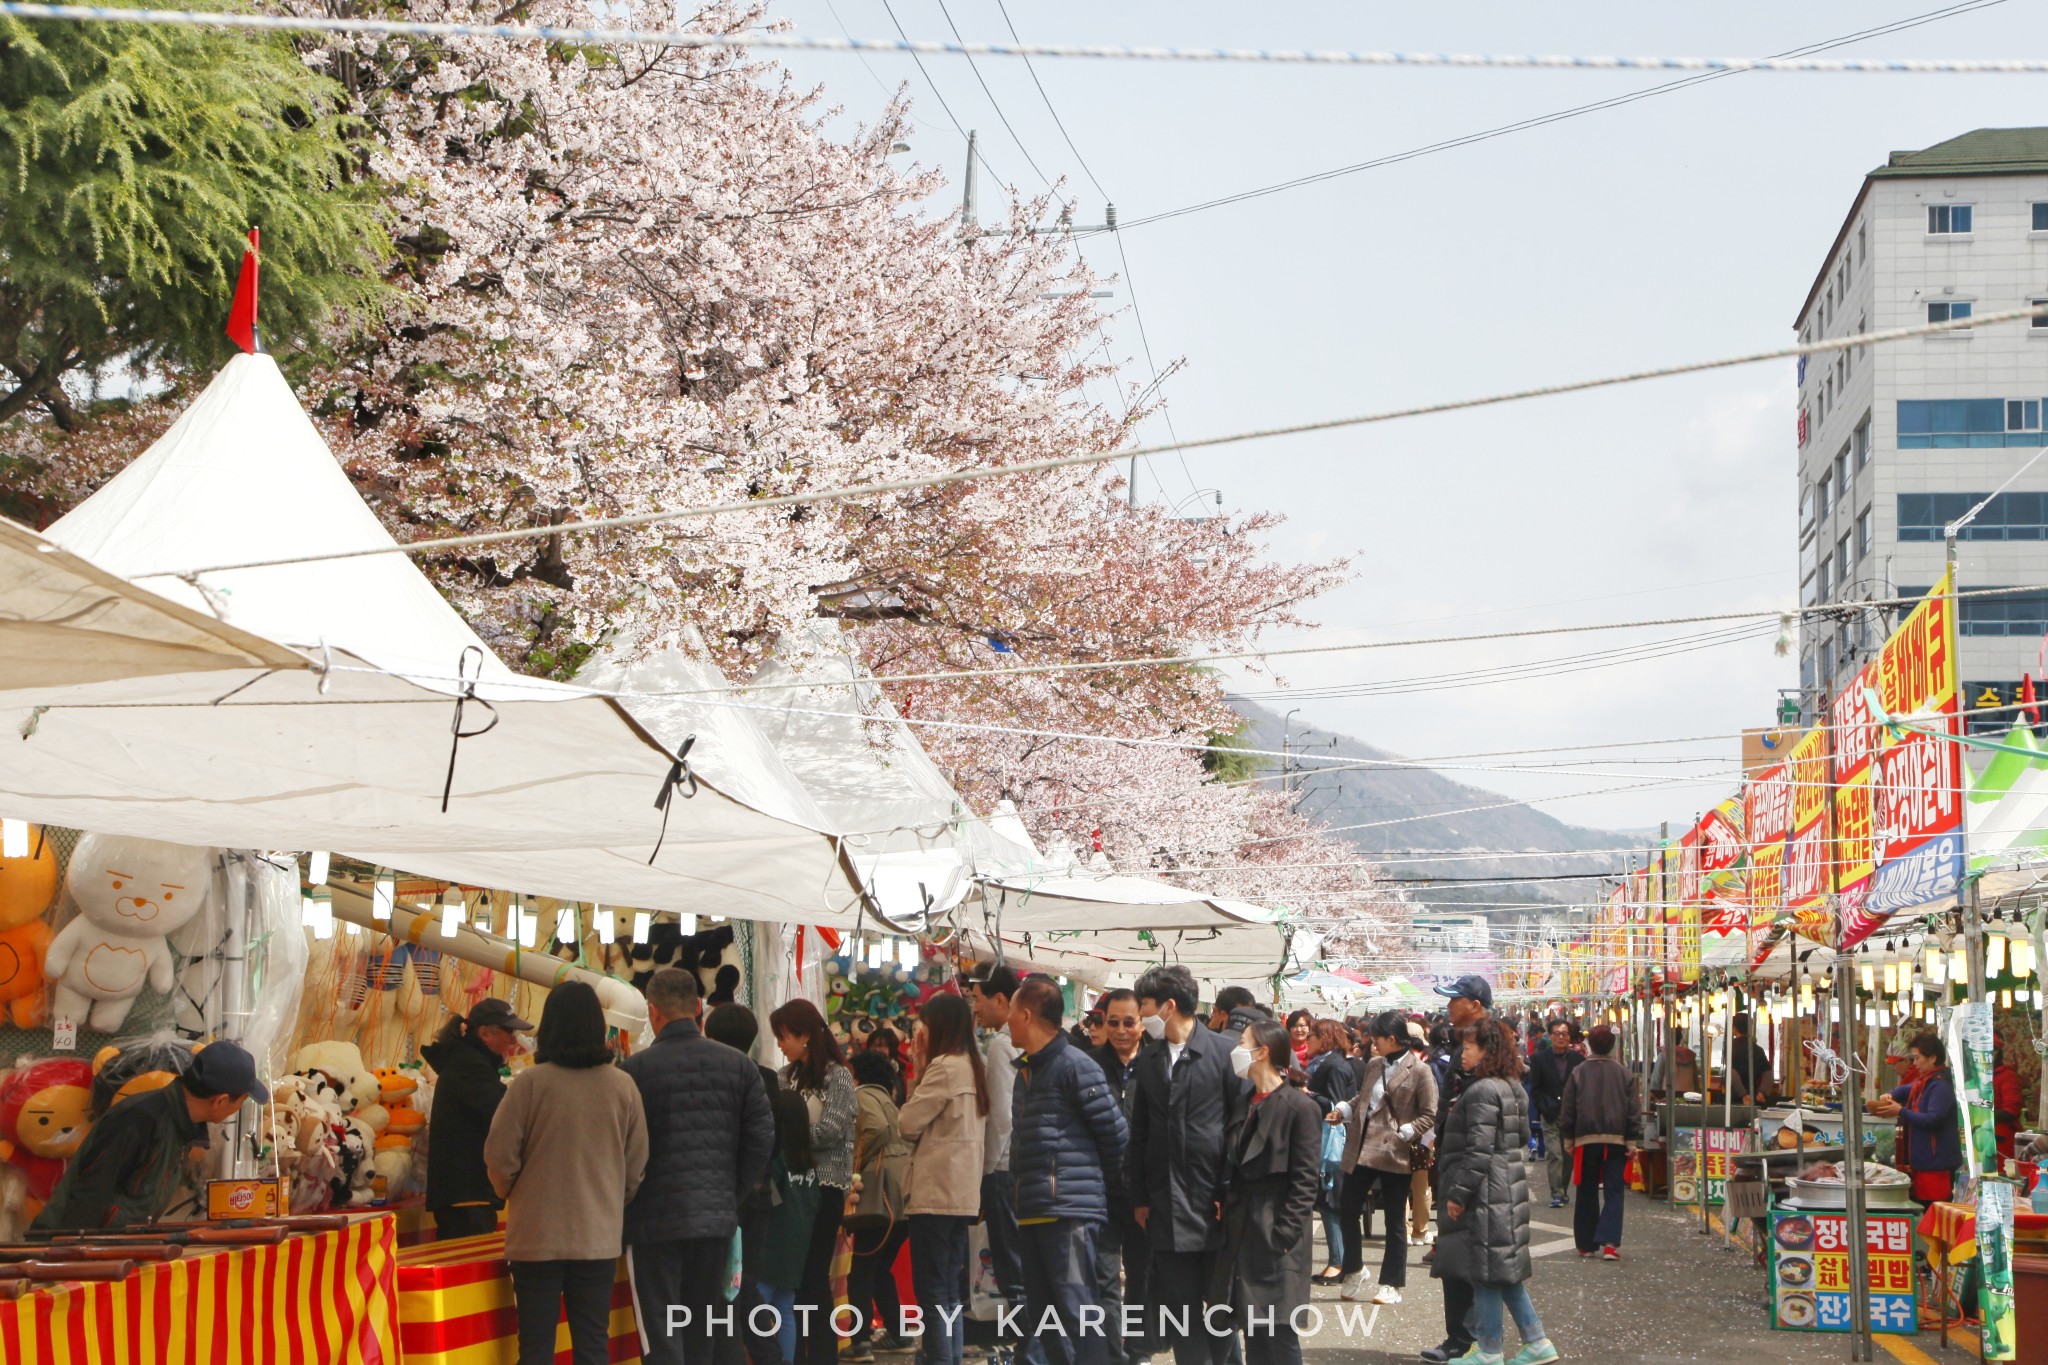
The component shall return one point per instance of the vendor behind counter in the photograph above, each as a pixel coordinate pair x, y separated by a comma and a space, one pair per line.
132, 1163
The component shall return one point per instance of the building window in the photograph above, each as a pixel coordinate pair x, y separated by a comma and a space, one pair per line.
1842, 560
1842, 279
1842, 469
2040, 320
1827, 659
1827, 577
1827, 494
1866, 525
1859, 249
2009, 516
2024, 614
1952, 220
1948, 311
1955, 423
1860, 441
1806, 506
2041, 217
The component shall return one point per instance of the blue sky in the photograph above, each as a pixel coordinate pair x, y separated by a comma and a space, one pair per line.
1679, 227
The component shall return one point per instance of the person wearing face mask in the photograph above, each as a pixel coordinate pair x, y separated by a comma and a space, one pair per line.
1188, 1105
1470, 1002
1273, 1173
466, 1056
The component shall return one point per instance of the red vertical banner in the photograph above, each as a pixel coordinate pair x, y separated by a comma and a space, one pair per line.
1809, 883
1767, 803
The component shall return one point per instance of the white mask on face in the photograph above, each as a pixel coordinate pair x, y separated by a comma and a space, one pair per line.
1154, 1026
1241, 1060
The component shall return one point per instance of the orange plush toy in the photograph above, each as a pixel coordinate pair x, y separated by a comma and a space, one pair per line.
27, 886
43, 1119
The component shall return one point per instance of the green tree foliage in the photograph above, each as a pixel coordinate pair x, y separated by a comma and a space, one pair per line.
1223, 761
133, 159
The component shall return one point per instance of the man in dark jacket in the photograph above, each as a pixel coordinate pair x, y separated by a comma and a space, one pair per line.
1121, 1253
1598, 1121
1750, 1064
133, 1160
1471, 1001
1067, 1141
1188, 1105
709, 1138
1236, 1007
466, 1056
1549, 1069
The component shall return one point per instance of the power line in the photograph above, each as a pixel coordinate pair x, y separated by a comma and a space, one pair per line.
930, 84
1540, 120
983, 82
1088, 459
697, 38
1057, 122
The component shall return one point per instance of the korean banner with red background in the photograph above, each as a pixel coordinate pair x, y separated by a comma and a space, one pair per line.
1767, 806
1809, 855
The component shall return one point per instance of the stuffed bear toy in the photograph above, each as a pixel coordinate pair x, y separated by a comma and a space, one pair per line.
391, 1163
130, 893
27, 886
45, 1112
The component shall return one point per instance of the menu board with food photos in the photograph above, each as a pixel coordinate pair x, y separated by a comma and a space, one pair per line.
1702, 1159
1810, 1272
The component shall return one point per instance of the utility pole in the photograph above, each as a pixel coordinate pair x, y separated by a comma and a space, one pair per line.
970, 219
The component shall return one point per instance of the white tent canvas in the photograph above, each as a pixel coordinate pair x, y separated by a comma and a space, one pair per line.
353, 754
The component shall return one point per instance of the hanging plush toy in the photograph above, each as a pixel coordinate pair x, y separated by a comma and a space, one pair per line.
44, 1116
27, 886
130, 893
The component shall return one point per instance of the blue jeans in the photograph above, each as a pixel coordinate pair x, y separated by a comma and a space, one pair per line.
783, 1301
1333, 1238
1603, 1173
1005, 1254
938, 1270
1487, 1302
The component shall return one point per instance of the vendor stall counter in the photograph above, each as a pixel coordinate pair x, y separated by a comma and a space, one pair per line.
455, 1306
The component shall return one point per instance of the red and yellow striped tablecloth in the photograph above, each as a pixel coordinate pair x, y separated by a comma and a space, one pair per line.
455, 1306
328, 1297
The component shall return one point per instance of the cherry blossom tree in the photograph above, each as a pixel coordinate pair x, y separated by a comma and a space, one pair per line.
648, 279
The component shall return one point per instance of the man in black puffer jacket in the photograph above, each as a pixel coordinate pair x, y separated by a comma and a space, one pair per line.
709, 1138
1066, 1144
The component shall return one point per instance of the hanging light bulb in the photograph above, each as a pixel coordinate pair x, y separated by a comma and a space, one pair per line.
13, 838
1806, 997
1891, 979
382, 894
567, 927
907, 954
642, 923
323, 919
1884, 1018
1867, 973
2022, 957
452, 913
2005, 999
605, 923
309, 911
1958, 967
1937, 965
1994, 954
316, 868
687, 923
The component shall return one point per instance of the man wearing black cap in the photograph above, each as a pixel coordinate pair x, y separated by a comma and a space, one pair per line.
133, 1160
1471, 1001
466, 1055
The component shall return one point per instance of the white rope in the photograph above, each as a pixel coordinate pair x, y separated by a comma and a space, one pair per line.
1101, 457
1824, 1064
1101, 51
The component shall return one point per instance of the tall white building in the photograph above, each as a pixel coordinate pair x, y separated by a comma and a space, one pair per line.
1898, 440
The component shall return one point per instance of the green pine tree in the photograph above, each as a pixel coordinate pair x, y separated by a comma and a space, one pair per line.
133, 160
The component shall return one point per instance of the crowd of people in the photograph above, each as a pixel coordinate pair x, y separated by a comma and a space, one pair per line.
1147, 1180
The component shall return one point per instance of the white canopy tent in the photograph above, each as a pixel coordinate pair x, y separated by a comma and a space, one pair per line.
352, 753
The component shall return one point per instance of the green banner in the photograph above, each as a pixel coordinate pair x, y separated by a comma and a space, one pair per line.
1972, 1028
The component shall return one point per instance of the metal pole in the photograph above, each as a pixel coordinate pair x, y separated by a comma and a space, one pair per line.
1797, 1070
1852, 1167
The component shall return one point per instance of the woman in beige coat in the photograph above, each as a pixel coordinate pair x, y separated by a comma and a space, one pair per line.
943, 1119
566, 1152
1395, 1109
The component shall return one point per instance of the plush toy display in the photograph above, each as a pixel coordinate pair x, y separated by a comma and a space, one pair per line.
27, 886
860, 999
335, 1078
136, 1068
130, 893
392, 1162
44, 1116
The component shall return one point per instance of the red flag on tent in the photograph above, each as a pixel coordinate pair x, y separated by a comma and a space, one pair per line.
2027, 699
242, 316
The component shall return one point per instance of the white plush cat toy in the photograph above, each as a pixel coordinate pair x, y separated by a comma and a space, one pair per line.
130, 893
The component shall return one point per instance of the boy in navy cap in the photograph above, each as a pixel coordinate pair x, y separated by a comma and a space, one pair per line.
131, 1163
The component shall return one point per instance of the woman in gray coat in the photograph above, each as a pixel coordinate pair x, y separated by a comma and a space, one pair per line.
1484, 1189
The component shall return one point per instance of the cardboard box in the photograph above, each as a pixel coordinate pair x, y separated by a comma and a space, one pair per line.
226, 1199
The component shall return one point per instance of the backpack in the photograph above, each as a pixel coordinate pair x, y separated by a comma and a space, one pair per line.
882, 1167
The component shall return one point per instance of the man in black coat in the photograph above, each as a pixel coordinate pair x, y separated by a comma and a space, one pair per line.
710, 1135
736, 1027
466, 1055
1121, 1253
1549, 1069
1471, 1002
1186, 1109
